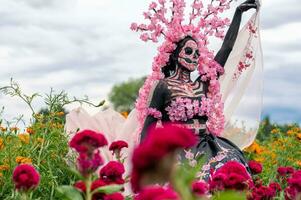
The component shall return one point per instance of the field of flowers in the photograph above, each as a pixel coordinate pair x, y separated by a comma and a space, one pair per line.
41, 162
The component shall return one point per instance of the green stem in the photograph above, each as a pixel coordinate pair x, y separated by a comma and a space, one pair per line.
24, 196
88, 183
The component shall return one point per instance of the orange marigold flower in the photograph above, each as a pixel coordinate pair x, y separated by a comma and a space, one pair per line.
291, 132
29, 130
298, 136
3, 129
60, 114
124, 114
254, 148
1, 144
275, 130
298, 162
4, 167
24, 138
259, 159
23, 160
13, 129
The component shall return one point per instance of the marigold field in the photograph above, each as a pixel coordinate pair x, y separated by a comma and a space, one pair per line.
37, 162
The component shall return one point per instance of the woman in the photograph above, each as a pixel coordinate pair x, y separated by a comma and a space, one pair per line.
176, 98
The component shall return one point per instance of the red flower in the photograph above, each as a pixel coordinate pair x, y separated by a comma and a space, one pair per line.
275, 186
200, 188
26, 177
97, 183
115, 196
87, 165
256, 167
87, 141
283, 171
118, 145
156, 193
80, 185
232, 175
159, 143
294, 186
112, 173
262, 192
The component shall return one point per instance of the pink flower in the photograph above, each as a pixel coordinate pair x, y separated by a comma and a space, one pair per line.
200, 188
157, 193
153, 5
118, 145
88, 164
256, 167
284, 171
144, 37
112, 173
134, 27
87, 141
25, 177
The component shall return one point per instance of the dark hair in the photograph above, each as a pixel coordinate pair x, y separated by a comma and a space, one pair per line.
170, 67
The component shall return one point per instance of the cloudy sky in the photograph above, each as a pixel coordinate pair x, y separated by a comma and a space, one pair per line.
85, 46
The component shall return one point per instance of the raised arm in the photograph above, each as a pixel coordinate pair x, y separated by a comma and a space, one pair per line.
156, 104
230, 38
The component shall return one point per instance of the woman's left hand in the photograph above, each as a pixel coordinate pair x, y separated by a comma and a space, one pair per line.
247, 5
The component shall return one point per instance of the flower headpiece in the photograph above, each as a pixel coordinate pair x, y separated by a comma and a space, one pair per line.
203, 23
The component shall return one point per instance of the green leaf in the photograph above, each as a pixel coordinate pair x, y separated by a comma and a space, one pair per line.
67, 192
108, 189
226, 195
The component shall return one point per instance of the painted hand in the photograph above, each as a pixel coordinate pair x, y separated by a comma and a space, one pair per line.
247, 5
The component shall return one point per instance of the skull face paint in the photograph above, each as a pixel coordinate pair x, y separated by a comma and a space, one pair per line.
188, 56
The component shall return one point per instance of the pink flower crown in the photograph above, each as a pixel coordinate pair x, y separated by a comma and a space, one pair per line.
203, 23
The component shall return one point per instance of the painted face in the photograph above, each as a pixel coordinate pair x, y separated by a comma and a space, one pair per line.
189, 55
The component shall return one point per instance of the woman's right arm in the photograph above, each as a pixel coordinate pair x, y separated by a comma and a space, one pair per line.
156, 105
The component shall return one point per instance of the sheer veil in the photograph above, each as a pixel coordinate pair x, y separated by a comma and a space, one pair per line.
242, 90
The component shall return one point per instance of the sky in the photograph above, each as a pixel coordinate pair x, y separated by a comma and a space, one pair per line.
85, 47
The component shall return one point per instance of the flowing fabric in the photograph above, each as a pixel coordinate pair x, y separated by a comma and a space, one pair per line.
242, 92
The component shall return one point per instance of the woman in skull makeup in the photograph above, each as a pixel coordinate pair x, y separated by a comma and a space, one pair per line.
177, 87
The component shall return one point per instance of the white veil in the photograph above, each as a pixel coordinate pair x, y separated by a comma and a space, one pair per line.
242, 92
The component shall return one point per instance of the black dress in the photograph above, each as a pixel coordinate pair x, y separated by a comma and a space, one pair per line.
215, 150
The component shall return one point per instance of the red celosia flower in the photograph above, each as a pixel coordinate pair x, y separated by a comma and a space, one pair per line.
97, 183
283, 171
118, 145
232, 175
26, 177
156, 193
159, 143
88, 164
256, 167
80, 185
275, 186
262, 192
200, 188
115, 196
87, 141
294, 186
112, 173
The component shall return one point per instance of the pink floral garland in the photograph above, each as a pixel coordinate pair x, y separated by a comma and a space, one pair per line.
154, 112
204, 22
